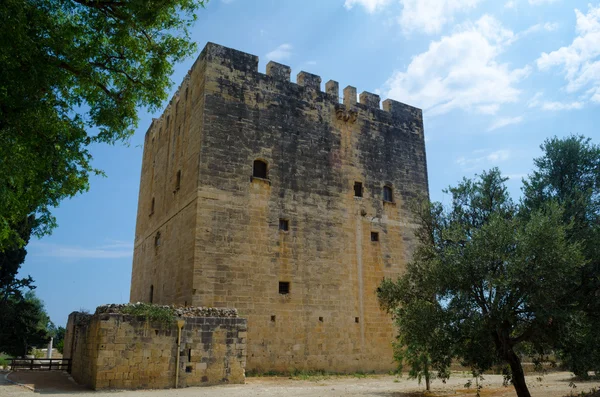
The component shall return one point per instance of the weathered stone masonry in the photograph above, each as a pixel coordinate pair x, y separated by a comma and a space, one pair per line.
116, 351
208, 232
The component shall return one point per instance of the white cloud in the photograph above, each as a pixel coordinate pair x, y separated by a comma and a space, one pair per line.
505, 121
479, 161
516, 177
116, 249
580, 61
548, 27
461, 71
541, 2
537, 102
510, 4
280, 53
370, 5
488, 109
430, 16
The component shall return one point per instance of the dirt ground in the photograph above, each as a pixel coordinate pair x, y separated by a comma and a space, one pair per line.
56, 383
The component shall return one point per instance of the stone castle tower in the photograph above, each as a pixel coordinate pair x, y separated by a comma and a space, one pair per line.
276, 199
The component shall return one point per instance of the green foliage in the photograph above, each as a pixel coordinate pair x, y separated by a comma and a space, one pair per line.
22, 315
488, 278
25, 325
568, 173
11, 259
58, 333
74, 73
161, 314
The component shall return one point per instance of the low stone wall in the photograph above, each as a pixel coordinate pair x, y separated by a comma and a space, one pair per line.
117, 351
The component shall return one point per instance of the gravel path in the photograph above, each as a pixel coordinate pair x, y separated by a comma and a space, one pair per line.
552, 385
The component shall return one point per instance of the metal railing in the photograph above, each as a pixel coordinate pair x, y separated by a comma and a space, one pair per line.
43, 364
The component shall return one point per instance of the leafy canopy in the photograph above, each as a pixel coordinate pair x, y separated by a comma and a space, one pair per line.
568, 173
490, 279
74, 73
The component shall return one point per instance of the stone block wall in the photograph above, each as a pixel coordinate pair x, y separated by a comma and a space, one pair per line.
116, 351
213, 236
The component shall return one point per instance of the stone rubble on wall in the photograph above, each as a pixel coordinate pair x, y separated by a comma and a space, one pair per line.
188, 311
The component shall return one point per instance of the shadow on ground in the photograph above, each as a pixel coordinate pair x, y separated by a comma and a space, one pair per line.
48, 382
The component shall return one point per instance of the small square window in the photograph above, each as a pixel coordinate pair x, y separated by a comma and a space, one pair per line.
321, 319
374, 236
284, 225
358, 189
259, 169
273, 318
188, 369
356, 320
284, 287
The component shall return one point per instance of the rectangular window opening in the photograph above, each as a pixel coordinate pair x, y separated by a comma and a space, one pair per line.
358, 189
374, 236
188, 369
284, 225
356, 320
388, 194
284, 287
178, 181
273, 318
321, 319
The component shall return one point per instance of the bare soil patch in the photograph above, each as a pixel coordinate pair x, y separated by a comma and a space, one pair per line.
552, 385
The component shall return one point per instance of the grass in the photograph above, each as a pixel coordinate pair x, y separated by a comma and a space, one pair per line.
310, 375
161, 314
4, 360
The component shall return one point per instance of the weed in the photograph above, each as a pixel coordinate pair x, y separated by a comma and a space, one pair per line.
161, 314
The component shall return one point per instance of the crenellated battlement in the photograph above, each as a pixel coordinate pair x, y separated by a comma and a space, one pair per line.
247, 64
307, 86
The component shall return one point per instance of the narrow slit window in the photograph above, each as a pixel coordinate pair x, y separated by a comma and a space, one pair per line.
358, 189
152, 206
284, 287
374, 236
151, 293
259, 169
178, 181
157, 240
284, 225
388, 194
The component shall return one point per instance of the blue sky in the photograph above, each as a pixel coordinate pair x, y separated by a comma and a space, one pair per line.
494, 78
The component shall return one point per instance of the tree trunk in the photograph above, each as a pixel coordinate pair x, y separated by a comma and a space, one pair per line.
518, 376
427, 382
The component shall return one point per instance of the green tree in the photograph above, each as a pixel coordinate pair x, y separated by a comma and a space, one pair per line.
568, 173
74, 73
422, 341
58, 333
11, 259
25, 324
502, 280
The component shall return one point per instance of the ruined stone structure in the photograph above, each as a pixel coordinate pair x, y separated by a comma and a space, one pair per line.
116, 351
275, 198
